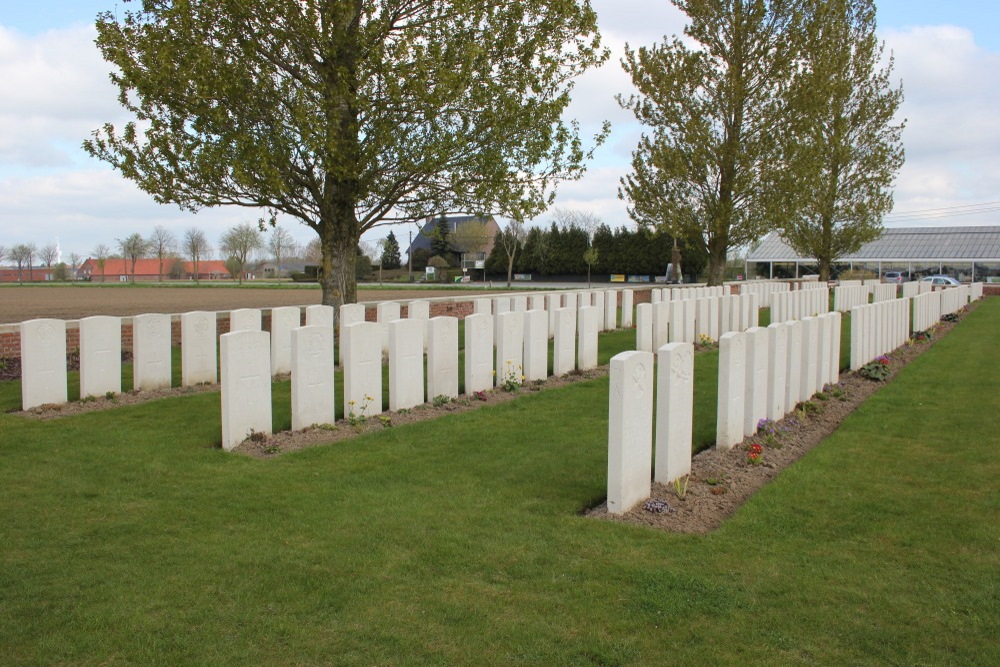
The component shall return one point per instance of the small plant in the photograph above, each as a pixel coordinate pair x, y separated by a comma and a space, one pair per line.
657, 506
921, 336
324, 427
681, 486
256, 436
480, 395
358, 418
768, 430
404, 411
877, 370
511, 378
835, 390
705, 340
950, 317
385, 420
110, 395
822, 396
755, 454
440, 400
716, 479
272, 449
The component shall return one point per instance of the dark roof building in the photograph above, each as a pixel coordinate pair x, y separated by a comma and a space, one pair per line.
423, 239
966, 253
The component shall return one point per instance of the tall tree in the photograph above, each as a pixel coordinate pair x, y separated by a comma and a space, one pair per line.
22, 254
3, 252
161, 243
238, 245
511, 240
280, 244
49, 253
101, 252
841, 168
346, 114
716, 123
196, 246
390, 253
133, 247
74, 264
441, 239
471, 237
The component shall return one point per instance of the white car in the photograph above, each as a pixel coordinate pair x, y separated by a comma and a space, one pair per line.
944, 281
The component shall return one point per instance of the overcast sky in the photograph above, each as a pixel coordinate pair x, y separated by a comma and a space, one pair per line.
54, 91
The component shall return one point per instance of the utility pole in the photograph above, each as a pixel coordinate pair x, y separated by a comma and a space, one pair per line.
409, 255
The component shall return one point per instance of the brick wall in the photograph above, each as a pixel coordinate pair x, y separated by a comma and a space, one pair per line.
10, 340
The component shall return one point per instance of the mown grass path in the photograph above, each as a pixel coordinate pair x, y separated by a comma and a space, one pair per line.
127, 538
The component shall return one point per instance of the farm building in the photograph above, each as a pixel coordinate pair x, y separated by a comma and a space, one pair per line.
966, 253
468, 256
120, 270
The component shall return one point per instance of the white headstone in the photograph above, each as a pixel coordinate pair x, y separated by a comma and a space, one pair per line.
245, 319
723, 303
689, 320
519, 304
564, 346
676, 320
386, 312
732, 382
420, 310
823, 351
501, 304
322, 316
630, 430
536, 345
587, 337
283, 320
777, 362
361, 355
510, 348
350, 313
553, 302
151, 351
702, 319
644, 327
571, 300
100, 355
442, 357
628, 297
482, 307
809, 369
674, 411
755, 386
312, 376
835, 348
199, 348
611, 310
43, 363
598, 301
406, 363
478, 352
661, 324
246, 385
536, 302
793, 365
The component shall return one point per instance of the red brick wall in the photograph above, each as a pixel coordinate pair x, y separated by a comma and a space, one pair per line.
10, 344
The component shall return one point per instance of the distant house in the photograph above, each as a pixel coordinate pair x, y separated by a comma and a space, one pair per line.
268, 269
468, 259
36, 274
148, 270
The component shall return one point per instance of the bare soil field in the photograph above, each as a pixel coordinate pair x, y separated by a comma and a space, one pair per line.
73, 302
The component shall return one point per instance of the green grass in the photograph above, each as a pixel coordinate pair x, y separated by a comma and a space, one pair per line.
128, 538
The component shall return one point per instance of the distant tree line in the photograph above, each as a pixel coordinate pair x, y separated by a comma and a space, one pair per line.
562, 251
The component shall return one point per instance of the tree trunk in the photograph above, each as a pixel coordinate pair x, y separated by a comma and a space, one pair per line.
510, 267
339, 243
824, 269
716, 262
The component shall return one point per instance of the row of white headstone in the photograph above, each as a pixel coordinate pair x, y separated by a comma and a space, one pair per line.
763, 374
884, 292
926, 310
687, 320
877, 329
810, 301
909, 289
765, 289
846, 297
516, 350
631, 452
658, 294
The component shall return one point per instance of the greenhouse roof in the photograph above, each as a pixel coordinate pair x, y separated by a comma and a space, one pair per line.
902, 243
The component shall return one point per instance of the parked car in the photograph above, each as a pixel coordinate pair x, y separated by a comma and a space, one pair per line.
944, 281
895, 277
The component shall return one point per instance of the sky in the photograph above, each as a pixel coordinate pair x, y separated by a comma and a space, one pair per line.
54, 91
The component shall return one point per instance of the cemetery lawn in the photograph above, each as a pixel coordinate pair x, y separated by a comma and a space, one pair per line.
128, 537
